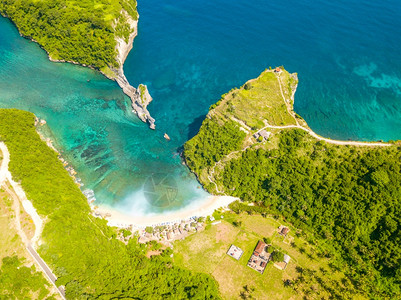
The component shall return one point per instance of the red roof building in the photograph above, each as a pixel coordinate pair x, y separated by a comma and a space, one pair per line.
284, 231
260, 247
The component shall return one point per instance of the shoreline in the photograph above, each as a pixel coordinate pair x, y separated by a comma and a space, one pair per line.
204, 209
115, 218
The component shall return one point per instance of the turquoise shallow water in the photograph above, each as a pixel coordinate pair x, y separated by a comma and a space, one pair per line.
191, 52
92, 124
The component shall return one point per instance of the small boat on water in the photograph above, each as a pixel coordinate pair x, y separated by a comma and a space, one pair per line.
166, 136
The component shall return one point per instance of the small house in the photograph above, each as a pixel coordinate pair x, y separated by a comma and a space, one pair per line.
263, 135
260, 247
284, 231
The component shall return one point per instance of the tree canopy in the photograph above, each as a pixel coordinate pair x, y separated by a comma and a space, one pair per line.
80, 31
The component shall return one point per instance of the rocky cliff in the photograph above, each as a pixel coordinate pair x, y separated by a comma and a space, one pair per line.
140, 96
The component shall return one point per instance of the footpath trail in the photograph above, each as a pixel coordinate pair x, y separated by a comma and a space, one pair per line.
312, 133
17, 197
267, 126
336, 142
287, 103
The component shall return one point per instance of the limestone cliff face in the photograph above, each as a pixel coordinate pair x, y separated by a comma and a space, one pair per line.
140, 97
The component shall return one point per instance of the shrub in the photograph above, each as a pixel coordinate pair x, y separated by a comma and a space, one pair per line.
277, 256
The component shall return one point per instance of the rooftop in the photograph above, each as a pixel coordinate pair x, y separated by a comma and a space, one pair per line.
259, 258
235, 252
260, 247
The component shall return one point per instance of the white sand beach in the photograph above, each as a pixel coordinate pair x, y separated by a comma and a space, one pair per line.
204, 209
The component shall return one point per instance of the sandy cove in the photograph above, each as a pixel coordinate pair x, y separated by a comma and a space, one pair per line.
118, 219
114, 217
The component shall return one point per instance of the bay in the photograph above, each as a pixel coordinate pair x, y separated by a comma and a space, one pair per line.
191, 52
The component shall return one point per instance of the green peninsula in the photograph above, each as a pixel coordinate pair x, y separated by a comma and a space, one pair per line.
79, 31
343, 196
97, 34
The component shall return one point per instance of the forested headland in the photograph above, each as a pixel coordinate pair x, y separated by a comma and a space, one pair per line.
82, 250
346, 197
82, 31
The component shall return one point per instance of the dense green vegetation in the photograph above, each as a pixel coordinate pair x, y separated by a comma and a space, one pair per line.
81, 31
18, 281
349, 197
81, 249
276, 255
212, 144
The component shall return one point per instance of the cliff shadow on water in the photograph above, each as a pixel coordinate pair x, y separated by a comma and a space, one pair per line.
194, 127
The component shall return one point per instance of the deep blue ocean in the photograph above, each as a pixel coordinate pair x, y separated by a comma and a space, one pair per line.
346, 53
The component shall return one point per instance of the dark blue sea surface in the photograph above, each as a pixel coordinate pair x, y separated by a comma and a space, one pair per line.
346, 53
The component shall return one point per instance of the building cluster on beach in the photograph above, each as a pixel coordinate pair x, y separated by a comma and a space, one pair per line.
164, 233
171, 232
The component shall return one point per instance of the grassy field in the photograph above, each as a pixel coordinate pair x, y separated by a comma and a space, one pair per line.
206, 252
260, 100
11, 243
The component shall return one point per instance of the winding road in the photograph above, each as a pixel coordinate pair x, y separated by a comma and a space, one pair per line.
19, 196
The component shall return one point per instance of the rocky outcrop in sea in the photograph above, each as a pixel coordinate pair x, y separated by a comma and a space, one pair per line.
140, 99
